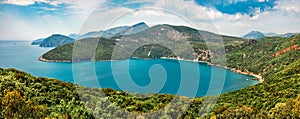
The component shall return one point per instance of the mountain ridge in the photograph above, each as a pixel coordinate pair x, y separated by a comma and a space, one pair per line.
56, 40
116, 31
171, 36
254, 35
109, 33
258, 35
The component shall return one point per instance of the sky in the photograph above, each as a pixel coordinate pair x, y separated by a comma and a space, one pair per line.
33, 19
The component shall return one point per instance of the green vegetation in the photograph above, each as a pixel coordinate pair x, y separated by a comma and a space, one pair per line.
276, 58
83, 50
25, 96
261, 55
269, 99
161, 40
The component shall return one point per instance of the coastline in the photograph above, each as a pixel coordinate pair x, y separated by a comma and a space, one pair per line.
46, 60
256, 76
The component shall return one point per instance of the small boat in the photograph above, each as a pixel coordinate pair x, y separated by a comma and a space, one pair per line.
149, 53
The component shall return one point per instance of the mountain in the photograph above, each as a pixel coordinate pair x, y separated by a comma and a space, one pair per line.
158, 40
56, 40
113, 32
37, 42
286, 35
116, 31
90, 35
254, 35
133, 29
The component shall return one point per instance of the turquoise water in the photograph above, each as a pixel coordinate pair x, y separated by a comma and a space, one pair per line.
134, 75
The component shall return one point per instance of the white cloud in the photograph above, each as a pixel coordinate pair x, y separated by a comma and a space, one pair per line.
90, 15
289, 7
29, 2
19, 2
285, 17
85, 6
125, 16
101, 20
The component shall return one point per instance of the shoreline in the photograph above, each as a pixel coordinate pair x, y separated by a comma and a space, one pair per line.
46, 60
256, 76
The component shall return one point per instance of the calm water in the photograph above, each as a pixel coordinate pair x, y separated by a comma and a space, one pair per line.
134, 75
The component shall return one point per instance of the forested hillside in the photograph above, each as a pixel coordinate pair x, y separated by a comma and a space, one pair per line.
160, 40
277, 98
266, 56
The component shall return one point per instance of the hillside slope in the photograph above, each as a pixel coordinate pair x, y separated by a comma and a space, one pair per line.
56, 40
115, 31
160, 40
254, 35
277, 98
266, 56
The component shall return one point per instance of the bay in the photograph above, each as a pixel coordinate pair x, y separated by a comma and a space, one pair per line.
134, 75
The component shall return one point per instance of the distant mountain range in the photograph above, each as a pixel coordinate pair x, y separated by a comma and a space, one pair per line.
258, 35
150, 43
54, 40
115, 32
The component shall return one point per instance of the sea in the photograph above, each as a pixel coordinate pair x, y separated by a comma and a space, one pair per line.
184, 78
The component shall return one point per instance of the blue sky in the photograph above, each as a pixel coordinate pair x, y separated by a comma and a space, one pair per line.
32, 19
239, 6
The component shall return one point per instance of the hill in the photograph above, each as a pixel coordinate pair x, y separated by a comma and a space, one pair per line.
254, 35
266, 56
55, 40
58, 40
277, 98
286, 35
161, 39
116, 31
37, 42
